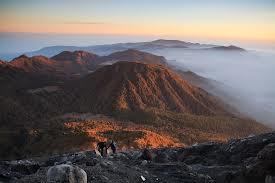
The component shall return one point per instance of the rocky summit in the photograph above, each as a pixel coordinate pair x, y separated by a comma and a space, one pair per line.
251, 159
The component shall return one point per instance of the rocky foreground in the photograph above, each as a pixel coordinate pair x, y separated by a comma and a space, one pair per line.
251, 159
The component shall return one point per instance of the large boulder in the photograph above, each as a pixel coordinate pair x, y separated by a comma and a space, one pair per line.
269, 179
66, 174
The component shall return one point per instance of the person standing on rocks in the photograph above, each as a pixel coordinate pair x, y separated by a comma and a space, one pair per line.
113, 146
102, 148
146, 155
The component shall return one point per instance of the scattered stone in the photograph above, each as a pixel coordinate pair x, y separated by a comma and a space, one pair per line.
144, 162
106, 164
143, 178
90, 154
92, 162
24, 167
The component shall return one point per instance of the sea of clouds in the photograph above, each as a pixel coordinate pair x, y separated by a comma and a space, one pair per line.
248, 77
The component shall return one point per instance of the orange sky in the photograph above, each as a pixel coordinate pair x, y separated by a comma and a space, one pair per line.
237, 20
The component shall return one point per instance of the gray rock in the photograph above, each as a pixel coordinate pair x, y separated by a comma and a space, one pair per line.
270, 179
66, 174
24, 167
161, 157
144, 162
251, 159
92, 162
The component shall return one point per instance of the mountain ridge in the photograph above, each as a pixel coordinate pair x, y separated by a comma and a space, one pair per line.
106, 49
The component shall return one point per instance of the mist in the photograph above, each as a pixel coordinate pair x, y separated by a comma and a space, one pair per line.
247, 78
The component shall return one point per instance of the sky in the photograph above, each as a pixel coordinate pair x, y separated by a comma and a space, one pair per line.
249, 21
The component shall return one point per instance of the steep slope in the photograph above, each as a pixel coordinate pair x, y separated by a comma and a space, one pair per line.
133, 86
134, 55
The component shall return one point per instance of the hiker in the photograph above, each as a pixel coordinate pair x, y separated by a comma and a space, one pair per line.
102, 148
113, 146
146, 155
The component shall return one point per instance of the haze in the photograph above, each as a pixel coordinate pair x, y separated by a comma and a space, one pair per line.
247, 77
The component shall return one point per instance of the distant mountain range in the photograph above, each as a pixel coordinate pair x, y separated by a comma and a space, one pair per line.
142, 46
78, 63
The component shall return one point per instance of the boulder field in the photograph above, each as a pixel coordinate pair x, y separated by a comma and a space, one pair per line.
251, 159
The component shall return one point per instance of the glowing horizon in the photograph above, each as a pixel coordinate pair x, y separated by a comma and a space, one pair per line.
213, 19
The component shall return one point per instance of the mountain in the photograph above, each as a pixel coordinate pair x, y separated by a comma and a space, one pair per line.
77, 62
172, 43
135, 56
81, 62
133, 86
76, 56
227, 48
149, 46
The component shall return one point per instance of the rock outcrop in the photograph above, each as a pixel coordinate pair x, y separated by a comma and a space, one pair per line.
250, 159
